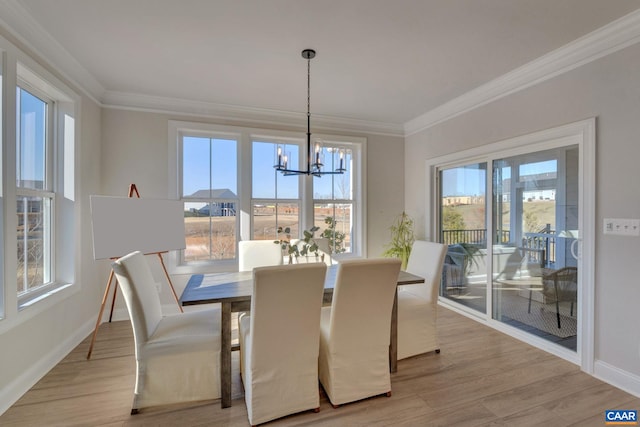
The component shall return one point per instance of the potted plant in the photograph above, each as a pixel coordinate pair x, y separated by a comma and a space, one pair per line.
402, 239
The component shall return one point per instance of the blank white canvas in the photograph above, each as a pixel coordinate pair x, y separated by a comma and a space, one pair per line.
125, 224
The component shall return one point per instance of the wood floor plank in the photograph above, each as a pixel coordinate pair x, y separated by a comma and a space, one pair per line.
586, 403
481, 378
545, 390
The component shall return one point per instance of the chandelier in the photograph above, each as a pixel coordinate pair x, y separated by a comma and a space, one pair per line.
314, 158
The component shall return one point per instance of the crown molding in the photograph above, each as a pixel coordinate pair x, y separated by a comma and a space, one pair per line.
601, 42
611, 38
17, 21
256, 116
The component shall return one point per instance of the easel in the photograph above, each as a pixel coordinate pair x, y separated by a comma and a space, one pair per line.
132, 189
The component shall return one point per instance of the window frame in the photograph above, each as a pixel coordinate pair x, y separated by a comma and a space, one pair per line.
275, 200
178, 257
47, 192
20, 70
246, 136
356, 191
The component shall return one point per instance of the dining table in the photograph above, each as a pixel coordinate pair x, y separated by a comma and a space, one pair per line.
233, 290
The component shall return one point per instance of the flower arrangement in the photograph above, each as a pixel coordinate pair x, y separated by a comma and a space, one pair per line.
306, 246
333, 236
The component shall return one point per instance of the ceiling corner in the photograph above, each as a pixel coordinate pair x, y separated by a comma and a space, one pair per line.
17, 21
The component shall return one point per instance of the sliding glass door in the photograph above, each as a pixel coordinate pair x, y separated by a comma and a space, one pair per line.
535, 225
463, 228
512, 257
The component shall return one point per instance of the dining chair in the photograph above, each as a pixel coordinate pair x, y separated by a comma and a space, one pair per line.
418, 303
258, 253
279, 341
177, 356
355, 330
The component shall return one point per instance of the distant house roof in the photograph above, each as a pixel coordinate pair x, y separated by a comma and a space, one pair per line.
214, 193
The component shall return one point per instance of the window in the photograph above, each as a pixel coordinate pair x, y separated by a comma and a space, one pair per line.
333, 201
38, 210
34, 195
2, 169
210, 195
231, 191
275, 197
44, 187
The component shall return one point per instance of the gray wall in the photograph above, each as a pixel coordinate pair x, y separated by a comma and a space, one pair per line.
608, 89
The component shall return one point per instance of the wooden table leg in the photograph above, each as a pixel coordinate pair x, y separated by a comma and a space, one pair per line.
393, 344
225, 356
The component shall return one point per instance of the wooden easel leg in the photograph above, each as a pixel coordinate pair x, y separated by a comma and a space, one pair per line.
166, 273
113, 300
104, 301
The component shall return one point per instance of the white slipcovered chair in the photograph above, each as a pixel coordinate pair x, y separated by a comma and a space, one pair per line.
177, 356
279, 341
355, 331
258, 253
418, 303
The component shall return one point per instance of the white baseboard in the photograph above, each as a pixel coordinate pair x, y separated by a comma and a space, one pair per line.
617, 377
10, 393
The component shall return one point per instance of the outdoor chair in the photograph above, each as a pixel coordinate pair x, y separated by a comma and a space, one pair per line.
558, 286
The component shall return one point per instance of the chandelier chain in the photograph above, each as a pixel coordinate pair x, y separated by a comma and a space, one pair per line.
308, 87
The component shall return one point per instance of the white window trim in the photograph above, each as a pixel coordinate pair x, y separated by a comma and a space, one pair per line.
580, 133
18, 66
35, 88
245, 136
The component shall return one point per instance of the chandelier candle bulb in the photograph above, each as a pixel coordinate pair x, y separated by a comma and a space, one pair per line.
279, 165
318, 163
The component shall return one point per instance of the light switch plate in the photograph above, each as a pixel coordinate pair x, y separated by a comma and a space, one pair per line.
621, 226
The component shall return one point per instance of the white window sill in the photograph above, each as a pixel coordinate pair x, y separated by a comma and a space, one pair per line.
28, 308
30, 299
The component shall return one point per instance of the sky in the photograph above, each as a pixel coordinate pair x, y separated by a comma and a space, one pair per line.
470, 180
30, 162
220, 156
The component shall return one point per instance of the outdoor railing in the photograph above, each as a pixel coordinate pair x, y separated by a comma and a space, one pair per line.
545, 241
474, 236
542, 241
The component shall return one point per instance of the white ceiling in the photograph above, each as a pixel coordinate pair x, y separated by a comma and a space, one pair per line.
385, 61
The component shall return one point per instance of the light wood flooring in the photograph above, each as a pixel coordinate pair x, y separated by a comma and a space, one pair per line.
481, 378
